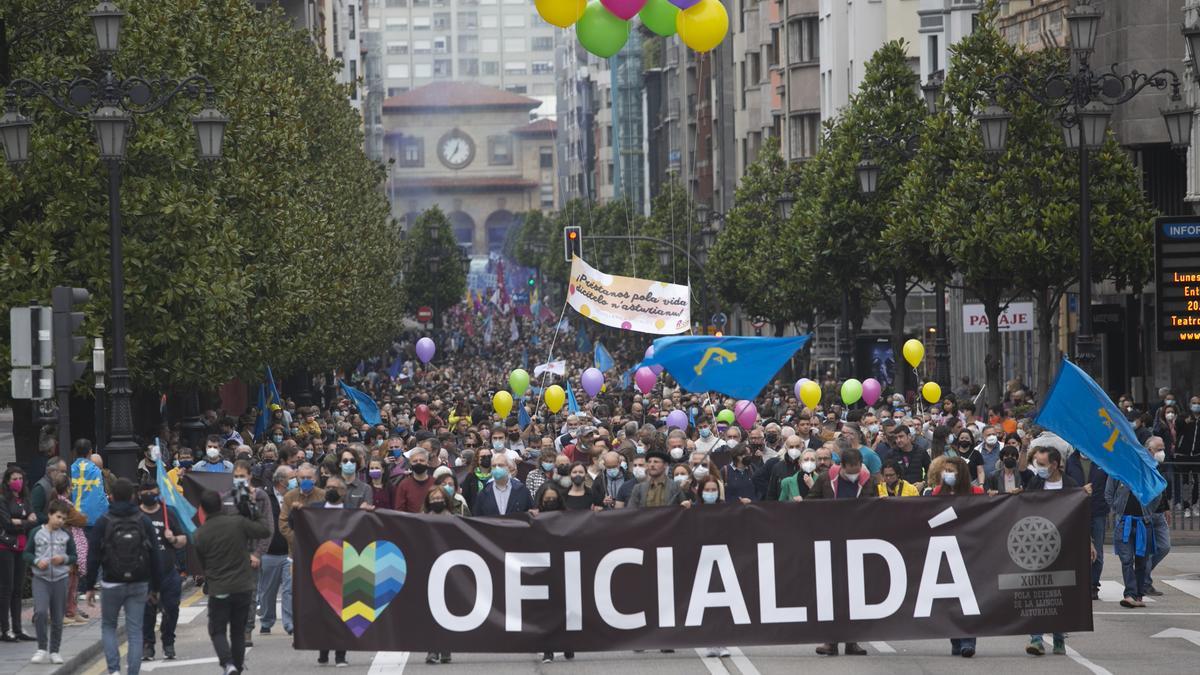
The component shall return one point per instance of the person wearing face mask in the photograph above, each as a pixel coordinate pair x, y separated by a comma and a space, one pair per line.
1161, 516
659, 488
676, 446
579, 496
738, 477
893, 484
213, 460
1133, 537
276, 566
1187, 447
334, 498
637, 472
478, 475
989, 452
170, 589
381, 492
358, 493
503, 494
708, 491
848, 480
409, 494
1009, 478
795, 488
707, 440
786, 466
305, 493
608, 484
1167, 425
436, 503
242, 489
542, 472
956, 482
443, 477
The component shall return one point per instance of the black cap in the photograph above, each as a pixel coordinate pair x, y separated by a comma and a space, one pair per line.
658, 454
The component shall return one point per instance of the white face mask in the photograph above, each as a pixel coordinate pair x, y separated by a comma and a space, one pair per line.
639, 472
681, 478
808, 467
794, 453
950, 479
1170, 417
1041, 471
1160, 456
676, 453
991, 440
700, 472
213, 454
850, 476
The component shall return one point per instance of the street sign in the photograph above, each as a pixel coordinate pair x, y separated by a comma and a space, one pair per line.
21, 335
759, 322
719, 319
424, 314
1177, 283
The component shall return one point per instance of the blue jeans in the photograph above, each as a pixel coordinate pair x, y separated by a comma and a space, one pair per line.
1162, 544
1099, 527
1135, 570
275, 575
132, 597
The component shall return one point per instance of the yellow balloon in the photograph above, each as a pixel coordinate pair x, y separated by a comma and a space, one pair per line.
703, 25
561, 13
914, 351
502, 402
810, 394
555, 398
932, 392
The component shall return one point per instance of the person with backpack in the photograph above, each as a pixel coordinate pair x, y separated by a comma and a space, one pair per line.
124, 556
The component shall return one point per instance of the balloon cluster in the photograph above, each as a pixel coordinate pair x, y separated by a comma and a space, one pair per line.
868, 390
603, 25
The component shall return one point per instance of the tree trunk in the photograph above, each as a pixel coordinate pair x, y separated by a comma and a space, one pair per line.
991, 360
1046, 306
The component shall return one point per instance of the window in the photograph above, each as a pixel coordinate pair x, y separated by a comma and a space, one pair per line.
420, 3
422, 23
411, 151
443, 68
396, 23
468, 44
513, 45
441, 45
489, 21
441, 21
547, 196
514, 20
468, 67
774, 53
491, 67
755, 69
353, 79
441, 3
516, 88
543, 67
934, 54
546, 157
515, 68
742, 89
542, 44
422, 46
396, 3
373, 23
397, 71
397, 47
803, 132
468, 20
489, 46
353, 23
423, 70
500, 150
803, 40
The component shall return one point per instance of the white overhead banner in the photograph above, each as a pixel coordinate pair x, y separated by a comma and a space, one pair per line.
628, 302
554, 368
1017, 318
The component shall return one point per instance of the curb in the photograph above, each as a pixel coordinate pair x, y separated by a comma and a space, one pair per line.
77, 662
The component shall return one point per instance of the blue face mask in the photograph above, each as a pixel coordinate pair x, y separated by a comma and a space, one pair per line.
709, 497
306, 485
547, 466
612, 473
499, 473
277, 439
705, 432
397, 452
348, 468
292, 484
401, 430
449, 490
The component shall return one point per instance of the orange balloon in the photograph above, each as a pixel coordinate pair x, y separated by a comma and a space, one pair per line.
1010, 426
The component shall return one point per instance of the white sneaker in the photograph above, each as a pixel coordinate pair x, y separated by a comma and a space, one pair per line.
55, 657
39, 656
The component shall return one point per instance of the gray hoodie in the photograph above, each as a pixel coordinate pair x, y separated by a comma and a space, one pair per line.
43, 544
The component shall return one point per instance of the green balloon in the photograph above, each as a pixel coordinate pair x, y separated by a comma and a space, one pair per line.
600, 31
659, 17
851, 391
725, 416
518, 381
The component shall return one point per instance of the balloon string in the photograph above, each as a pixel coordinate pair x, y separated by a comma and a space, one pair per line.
550, 357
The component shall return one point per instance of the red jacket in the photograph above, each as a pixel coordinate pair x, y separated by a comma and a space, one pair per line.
975, 490
409, 494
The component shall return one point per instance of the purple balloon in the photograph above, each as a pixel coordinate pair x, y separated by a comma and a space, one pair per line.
745, 413
650, 354
799, 383
426, 349
684, 4
677, 419
871, 390
593, 380
645, 379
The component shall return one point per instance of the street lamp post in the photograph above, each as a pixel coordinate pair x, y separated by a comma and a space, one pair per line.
1082, 100
111, 103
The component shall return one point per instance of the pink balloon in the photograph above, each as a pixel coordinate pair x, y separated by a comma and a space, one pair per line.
645, 379
593, 380
624, 9
745, 413
677, 420
796, 389
650, 354
871, 390
425, 349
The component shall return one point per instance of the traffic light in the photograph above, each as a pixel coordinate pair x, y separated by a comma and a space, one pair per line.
531, 281
572, 242
67, 343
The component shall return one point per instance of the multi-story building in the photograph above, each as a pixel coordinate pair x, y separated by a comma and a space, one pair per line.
498, 43
942, 23
850, 33
473, 150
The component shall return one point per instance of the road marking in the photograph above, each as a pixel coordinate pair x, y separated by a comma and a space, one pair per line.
1114, 591
883, 648
159, 665
193, 598
743, 662
1192, 636
1130, 612
388, 662
1080, 658
189, 614
713, 663
1189, 586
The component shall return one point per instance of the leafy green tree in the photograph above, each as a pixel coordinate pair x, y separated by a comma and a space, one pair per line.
266, 257
433, 276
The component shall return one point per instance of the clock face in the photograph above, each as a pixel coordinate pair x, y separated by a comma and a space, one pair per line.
456, 149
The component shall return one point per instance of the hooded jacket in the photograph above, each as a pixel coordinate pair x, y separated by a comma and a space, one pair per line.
825, 487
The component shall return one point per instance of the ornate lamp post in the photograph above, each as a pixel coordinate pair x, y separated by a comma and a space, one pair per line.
1081, 100
111, 103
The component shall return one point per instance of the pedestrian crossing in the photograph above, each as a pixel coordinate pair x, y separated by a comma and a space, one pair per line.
1114, 591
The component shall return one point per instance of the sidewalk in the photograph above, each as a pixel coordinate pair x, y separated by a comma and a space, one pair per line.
80, 646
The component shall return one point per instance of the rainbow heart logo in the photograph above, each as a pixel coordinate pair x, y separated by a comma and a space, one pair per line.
358, 585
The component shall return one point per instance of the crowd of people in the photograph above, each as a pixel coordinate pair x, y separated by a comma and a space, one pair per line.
614, 452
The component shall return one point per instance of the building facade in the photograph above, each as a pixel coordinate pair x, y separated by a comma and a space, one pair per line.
474, 151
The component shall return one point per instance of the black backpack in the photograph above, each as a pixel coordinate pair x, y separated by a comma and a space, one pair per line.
126, 550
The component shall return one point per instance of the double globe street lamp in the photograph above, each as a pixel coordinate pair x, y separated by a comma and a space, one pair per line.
111, 103
1081, 100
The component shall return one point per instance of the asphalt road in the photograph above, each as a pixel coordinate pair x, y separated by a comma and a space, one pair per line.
1163, 638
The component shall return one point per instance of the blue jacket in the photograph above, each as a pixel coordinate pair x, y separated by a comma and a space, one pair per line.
518, 502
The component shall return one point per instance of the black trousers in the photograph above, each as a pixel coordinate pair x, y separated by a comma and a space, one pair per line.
12, 582
227, 627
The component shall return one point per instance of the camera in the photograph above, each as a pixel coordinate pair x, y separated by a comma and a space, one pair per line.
243, 502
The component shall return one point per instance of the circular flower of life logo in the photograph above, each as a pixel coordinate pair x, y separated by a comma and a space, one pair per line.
1034, 543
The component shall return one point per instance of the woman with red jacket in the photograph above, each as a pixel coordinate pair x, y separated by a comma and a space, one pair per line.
956, 482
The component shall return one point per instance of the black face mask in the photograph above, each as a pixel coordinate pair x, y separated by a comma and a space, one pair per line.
578, 480
486, 461
437, 507
333, 496
551, 505
149, 500
564, 470
965, 444
772, 439
1010, 462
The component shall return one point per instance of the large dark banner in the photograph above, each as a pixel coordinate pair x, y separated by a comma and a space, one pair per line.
765, 573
